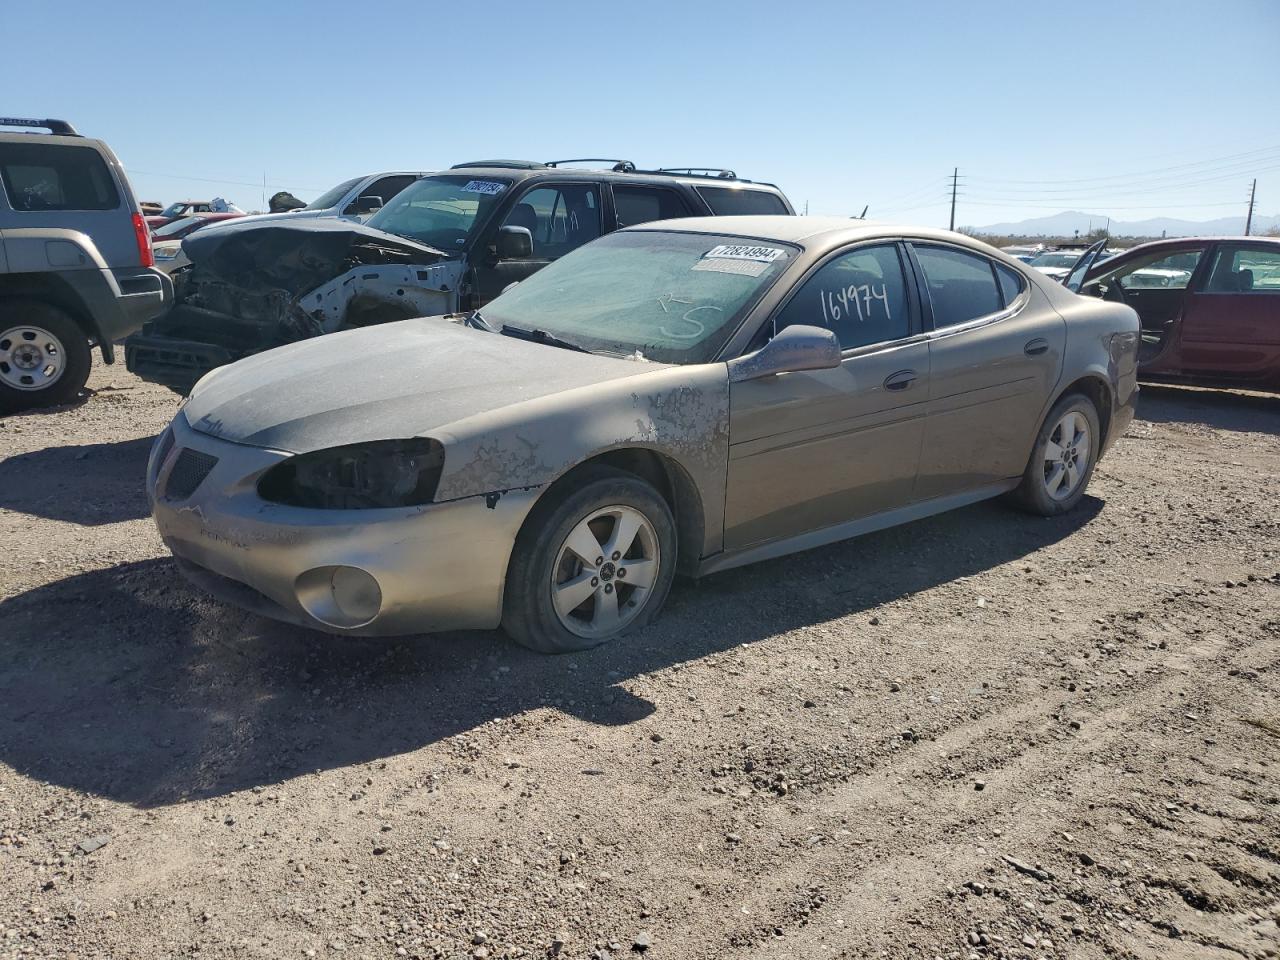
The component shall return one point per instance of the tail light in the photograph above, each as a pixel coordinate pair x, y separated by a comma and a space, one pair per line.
142, 234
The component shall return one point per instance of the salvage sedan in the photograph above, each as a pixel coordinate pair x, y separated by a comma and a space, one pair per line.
679, 397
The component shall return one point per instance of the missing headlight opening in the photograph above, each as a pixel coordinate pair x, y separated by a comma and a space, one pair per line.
384, 474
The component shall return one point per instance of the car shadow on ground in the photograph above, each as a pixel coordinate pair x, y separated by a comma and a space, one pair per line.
90, 484
142, 690
1220, 409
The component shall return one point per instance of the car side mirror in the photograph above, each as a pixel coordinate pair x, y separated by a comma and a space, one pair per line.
367, 204
793, 349
514, 243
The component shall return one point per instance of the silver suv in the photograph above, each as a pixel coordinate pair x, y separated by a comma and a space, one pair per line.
76, 268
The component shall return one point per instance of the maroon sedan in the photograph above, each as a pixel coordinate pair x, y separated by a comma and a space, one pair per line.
1210, 307
177, 229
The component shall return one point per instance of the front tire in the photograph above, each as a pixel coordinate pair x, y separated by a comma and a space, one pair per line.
594, 561
1062, 461
44, 355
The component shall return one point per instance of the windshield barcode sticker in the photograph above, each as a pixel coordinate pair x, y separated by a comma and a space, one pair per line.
728, 251
742, 268
489, 188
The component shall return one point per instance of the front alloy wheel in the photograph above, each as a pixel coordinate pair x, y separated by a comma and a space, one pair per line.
605, 571
593, 561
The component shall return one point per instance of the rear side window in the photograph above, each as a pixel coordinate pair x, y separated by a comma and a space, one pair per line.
645, 204
1011, 283
1238, 269
45, 176
961, 285
730, 202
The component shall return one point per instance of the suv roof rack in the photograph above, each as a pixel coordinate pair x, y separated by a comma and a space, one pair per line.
504, 164
53, 126
619, 166
715, 173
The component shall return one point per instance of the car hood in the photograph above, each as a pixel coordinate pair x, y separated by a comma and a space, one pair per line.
391, 381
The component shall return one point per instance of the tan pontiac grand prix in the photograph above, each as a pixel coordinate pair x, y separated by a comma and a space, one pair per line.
684, 396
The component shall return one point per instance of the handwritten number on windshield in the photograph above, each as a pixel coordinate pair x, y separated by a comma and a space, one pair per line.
855, 298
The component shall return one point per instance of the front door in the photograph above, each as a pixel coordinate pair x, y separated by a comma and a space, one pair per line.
560, 216
994, 356
814, 449
1231, 324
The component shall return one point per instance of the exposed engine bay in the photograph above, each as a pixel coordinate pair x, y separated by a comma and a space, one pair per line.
254, 286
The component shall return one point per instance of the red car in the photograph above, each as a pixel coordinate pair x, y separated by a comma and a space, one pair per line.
1210, 307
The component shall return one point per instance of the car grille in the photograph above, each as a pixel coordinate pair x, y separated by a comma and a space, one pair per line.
188, 472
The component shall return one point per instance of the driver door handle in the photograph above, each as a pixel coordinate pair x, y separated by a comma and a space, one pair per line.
900, 380
1036, 347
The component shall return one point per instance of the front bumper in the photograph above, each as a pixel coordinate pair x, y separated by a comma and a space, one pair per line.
437, 567
172, 362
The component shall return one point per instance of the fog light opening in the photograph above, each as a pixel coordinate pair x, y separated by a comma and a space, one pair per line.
339, 596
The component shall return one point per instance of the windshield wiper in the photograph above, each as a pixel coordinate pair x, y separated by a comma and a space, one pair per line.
541, 336
473, 319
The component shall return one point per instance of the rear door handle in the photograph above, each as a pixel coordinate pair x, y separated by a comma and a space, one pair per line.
900, 380
1036, 347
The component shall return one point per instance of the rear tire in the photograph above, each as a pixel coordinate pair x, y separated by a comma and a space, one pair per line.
44, 355
558, 598
1062, 460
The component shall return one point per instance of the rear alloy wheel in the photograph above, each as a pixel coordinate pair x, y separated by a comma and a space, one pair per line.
44, 355
1062, 462
593, 562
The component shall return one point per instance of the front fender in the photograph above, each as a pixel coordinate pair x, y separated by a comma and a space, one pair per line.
681, 413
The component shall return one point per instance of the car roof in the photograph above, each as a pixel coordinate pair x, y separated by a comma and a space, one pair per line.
812, 231
520, 170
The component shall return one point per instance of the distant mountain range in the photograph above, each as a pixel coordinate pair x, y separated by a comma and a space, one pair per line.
1065, 224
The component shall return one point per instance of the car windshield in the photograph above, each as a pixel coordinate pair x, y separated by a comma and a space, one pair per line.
176, 228
175, 209
1066, 259
331, 197
673, 297
442, 212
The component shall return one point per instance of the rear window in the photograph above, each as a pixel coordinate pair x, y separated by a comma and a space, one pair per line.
45, 176
730, 202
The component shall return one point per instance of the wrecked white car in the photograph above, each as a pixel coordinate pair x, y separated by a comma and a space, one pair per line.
450, 241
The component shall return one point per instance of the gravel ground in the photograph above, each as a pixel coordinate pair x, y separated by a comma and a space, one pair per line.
981, 735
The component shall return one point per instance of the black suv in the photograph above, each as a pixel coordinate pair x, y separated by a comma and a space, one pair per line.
450, 241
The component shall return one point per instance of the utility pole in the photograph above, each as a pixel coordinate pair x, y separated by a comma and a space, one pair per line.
1248, 220
955, 178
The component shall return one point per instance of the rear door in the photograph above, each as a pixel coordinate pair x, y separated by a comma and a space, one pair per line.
1231, 320
561, 216
57, 183
995, 354
813, 449
635, 203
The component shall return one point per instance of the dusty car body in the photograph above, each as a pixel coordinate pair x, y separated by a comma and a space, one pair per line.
449, 241
1210, 307
796, 382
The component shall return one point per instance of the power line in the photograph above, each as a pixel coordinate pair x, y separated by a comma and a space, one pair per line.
1143, 174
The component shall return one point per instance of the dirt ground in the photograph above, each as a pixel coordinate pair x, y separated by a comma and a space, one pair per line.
981, 735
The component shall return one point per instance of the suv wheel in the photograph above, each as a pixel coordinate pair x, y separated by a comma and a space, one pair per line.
44, 355
594, 561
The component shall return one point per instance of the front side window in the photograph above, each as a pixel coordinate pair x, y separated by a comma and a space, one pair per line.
961, 285
1156, 271
331, 197
1239, 269
673, 297
386, 188
741, 201
442, 212
861, 296
561, 218
42, 176
634, 205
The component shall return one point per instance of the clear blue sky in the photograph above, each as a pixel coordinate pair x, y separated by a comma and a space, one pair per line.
841, 103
